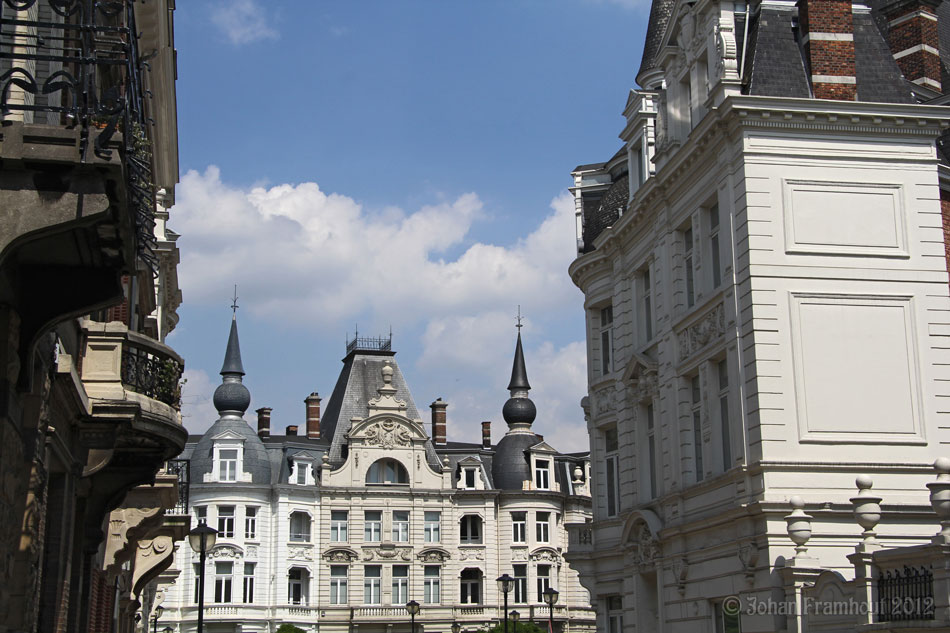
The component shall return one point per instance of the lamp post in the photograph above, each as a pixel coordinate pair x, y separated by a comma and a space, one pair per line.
413, 608
550, 598
504, 584
202, 539
515, 616
167, 629
456, 627
156, 614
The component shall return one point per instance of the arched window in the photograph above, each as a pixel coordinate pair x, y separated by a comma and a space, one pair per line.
470, 586
387, 471
298, 586
299, 526
470, 529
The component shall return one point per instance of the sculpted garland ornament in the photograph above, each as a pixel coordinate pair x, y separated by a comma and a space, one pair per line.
388, 434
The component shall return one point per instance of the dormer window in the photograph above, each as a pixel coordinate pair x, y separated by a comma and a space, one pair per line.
227, 464
228, 459
301, 472
387, 471
542, 474
470, 475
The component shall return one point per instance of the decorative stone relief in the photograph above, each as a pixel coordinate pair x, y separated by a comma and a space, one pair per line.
519, 555
388, 434
226, 551
387, 553
339, 556
152, 558
649, 386
387, 393
727, 65
546, 555
472, 554
300, 552
647, 547
433, 556
680, 568
604, 400
692, 339
252, 551
749, 556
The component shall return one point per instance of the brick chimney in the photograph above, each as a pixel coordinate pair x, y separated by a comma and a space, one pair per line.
912, 36
292, 430
263, 422
438, 421
313, 415
486, 434
827, 28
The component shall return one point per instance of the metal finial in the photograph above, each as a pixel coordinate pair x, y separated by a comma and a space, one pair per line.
519, 326
234, 305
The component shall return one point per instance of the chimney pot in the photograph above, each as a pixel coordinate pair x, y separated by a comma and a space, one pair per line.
292, 429
313, 415
486, 434
439, 421
263, 422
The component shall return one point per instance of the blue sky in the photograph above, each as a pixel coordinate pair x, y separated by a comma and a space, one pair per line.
397, 164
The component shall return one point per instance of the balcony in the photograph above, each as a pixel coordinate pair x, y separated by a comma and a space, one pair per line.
580, 538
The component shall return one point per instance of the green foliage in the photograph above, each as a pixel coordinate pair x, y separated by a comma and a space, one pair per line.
289, 628
521, 627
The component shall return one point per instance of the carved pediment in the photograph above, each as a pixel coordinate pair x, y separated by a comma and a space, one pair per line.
340, 555
226, 552
228, 436
546, 554
387, 552
433, 555
542, 447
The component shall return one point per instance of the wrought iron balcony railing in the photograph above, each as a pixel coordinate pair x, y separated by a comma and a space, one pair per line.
181, 468
151, 371
906, 594
76, 63
374, 344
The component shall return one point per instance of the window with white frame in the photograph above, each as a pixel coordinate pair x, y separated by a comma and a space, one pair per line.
222, 581
226, 521
388, 472
542, 525
372, 526
433, 526
338, 574
519, 521
197, 570
696, 416
606, 340
470, 583
470, 529
372, 576
722, 372
726, 620
651, 474
201, 514
299, 527
400, 526
250, 522
249, 569
339, 522
470, 475
227, 464
298, 581
542, 474
689, 285
544, 580
400, 584
712, 215
520, 584
614, 614
646, 305
301, 472
611, 451
431, 585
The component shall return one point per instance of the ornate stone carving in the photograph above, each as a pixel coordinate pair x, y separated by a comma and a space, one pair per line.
339, 556
727, 65
385, 553
649, 386
152, 558
695, 337
680, 568
300, 552
604, 400
519, 555
647, 548
226, 551
388, 434
433, 556
749, 556
546, 555
472, 554
252, 551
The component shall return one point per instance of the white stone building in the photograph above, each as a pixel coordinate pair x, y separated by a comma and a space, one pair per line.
338, 528
766, 296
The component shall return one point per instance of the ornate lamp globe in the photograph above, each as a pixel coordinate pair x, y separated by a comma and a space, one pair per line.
202, 538
456, 627
515, 616
550, 596
412, 607
504, 583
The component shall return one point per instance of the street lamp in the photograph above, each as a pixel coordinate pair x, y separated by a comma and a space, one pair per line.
515, 616
156, 614
456, 627
504, 583
167, 629
202, 539
550, 598
413, 608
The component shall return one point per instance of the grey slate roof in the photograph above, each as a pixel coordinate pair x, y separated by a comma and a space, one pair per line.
656, 28
510, 466
777, 68
879, 77
608, 211
256, 460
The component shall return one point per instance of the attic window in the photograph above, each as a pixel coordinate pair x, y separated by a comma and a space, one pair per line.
301, 472
469, 477
542, 474
228, 456
387, 471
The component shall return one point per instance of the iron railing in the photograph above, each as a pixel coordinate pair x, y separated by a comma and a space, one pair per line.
906, 594
181, 468
78, 61
375, 344
152, 373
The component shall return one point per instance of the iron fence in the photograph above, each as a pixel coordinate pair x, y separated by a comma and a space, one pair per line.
906, 594
147, 371
182, 469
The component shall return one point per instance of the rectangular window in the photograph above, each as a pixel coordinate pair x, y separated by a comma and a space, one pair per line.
519, 522
401, 526
646, 305
222, 581
542, 474
431, 584
688, 266
651, 452
249, 582
226, 521
726, 622
197, 569
520, 584
470, 478
470, 529
606, 339
542, 526
714, 245
614, 614
297, 586
696, 413
400, 584
433, 527
338, 526
470, 586
250, 522
372, 526
371, 578
338, 584
544, 580
201, 514
227, 464
300, 472
611, 446
300, 527
722, 368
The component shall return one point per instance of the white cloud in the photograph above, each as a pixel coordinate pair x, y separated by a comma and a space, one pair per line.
243, 21
198, 412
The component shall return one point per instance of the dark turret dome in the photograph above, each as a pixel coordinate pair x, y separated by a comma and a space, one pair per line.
519, 411
232, 397
510, 467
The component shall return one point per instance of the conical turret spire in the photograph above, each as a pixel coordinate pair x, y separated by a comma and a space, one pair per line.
232, 356
519, 411
232, 397
519, 375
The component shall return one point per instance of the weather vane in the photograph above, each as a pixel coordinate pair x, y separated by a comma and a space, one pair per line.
234, 305
519, 326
